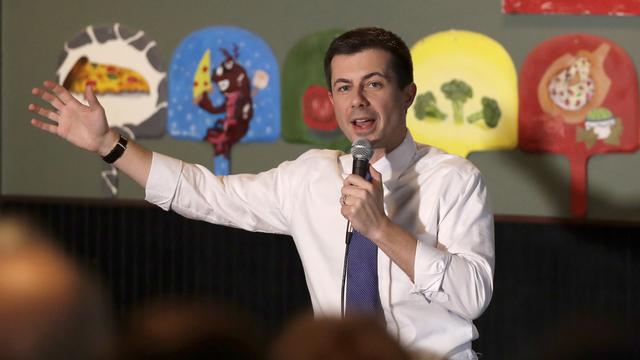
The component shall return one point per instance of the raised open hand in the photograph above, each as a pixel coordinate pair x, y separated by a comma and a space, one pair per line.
84, 126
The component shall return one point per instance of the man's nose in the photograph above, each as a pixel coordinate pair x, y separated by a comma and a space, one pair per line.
359, 99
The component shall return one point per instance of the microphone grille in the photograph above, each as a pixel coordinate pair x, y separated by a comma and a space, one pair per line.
361, 149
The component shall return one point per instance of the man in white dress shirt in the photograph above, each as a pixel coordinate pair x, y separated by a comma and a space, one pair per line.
425, 210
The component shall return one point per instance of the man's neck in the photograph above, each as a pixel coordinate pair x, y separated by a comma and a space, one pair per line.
378, 153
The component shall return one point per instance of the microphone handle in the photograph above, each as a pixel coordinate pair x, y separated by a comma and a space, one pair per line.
360, 167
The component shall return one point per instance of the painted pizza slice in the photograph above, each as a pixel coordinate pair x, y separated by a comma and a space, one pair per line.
573, 85
202, 76
105, 78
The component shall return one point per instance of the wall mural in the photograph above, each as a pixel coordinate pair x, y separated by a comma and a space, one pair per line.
467, 93
583, 7
224, 88
578, 97
578, 94
127, 76
307, 113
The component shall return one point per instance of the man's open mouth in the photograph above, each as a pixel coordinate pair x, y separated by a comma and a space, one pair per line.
364, 123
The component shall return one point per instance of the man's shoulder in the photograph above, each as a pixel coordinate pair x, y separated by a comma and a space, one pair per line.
313, 160
320, 154
432, 159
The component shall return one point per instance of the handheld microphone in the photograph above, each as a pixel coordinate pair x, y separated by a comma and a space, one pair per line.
361, 150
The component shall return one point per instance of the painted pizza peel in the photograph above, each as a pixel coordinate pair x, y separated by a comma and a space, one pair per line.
307, 112
578, 98
124, 68
224, 88
467, 93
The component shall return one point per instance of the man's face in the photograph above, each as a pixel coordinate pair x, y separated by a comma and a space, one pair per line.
367, 100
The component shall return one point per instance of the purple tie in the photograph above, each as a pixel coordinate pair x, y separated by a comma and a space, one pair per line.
362, 276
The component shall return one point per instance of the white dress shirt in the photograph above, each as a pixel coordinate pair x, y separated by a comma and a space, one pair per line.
437, 197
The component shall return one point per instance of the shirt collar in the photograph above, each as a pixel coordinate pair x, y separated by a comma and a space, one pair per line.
390, 165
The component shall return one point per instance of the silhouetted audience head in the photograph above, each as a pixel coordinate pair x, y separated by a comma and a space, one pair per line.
48, 308
355, 338
190, 330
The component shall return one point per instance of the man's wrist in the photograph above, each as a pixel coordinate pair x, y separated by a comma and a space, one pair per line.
382, 231
108, 142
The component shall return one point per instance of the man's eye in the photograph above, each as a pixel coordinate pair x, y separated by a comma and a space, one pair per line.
343, 88
375, 84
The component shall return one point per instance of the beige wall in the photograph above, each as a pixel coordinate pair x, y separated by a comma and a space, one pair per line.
33, 33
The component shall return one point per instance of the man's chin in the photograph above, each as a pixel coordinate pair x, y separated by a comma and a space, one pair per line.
369, 134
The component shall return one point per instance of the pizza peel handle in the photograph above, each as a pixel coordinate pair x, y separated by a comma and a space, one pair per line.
578, 174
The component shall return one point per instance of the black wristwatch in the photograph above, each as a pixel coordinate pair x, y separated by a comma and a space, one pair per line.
117, 151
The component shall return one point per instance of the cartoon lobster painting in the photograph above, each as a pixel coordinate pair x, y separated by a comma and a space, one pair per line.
235, 86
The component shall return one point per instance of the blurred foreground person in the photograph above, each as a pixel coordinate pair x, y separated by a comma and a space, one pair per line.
48, 308
352, 338
190, 330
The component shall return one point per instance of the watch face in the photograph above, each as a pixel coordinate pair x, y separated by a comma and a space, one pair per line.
117, 151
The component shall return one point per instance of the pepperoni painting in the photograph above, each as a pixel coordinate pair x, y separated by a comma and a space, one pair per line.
317, 109
307, 113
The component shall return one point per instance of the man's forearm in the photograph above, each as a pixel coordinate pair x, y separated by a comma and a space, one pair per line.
399, 245
135, 161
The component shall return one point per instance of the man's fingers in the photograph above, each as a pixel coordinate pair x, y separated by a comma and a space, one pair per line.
48, 97
49, 114
90, 96
62, 93
358, 182
44, 126
355, 180
352, 194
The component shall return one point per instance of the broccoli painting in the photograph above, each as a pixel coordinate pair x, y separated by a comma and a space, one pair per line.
426, 107
458, 92
490, 113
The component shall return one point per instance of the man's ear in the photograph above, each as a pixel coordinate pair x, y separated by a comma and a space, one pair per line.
330, 96
409, 95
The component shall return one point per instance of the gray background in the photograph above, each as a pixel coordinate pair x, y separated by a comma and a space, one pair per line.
33, 33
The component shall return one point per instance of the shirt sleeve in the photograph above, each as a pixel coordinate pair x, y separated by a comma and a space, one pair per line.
458, 271
251, 202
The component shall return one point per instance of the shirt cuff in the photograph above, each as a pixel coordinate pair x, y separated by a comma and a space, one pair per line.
429, 268
163, 180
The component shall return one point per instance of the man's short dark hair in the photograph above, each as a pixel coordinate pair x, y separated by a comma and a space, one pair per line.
361, 39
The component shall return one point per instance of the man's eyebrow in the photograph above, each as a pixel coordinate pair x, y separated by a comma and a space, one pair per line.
341, 80
366, 77
375, 73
